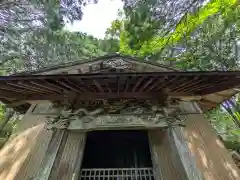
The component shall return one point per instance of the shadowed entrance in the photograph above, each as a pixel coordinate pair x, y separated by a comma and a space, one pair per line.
117, 154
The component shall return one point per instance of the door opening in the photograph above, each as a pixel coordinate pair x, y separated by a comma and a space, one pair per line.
117, 154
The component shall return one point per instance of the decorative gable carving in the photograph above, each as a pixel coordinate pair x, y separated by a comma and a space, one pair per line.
109, 64
117, 64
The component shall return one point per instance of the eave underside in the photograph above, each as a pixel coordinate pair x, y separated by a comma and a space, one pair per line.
156, 86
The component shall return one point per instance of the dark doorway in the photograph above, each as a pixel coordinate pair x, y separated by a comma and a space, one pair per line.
117, 149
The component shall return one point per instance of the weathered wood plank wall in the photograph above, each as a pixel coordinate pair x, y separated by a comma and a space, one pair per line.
50, 155
179, 153
200, 153
69, 157
35, 153
212, 158
18, 160
166, 160
188, 161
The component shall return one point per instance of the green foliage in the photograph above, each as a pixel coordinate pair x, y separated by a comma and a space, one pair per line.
224, 125
204, 39
7, 131
187, 24
32, 35
186, 34
143, 35
138, 27
115, 30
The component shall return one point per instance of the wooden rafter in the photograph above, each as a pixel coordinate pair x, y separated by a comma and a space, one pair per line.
49, 87
185, 83
126, 86
68, 86
101, 78
139, 81
83, 85
98, 85
72, 84
149, 81
166, 83
113, 85
156, 83
118, 85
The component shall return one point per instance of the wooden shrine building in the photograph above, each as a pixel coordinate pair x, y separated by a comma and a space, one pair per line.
116, 118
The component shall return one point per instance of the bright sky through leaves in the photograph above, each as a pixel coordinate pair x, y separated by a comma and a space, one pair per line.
97, 18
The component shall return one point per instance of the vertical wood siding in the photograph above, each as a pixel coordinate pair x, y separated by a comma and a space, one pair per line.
35, 153
188, 161
212, 158
50, 155
21, 156
31, 165
201, 154
69, 157
166, 160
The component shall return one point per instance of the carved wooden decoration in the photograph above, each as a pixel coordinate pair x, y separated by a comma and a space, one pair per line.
114, 114
117, 63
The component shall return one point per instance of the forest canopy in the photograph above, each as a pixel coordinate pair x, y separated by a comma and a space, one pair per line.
190, 35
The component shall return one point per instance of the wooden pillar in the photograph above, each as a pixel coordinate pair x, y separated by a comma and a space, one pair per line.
21, 156
51, 154
166, 161
212, 158
69, 157
36, 153
187, 159
191, 152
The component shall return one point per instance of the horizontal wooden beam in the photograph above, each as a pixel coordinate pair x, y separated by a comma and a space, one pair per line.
93, 96
218, 74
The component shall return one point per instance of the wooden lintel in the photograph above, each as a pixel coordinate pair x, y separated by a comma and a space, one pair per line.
219, 74
92, 95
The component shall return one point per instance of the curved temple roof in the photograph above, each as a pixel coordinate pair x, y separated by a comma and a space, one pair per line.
118, 77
